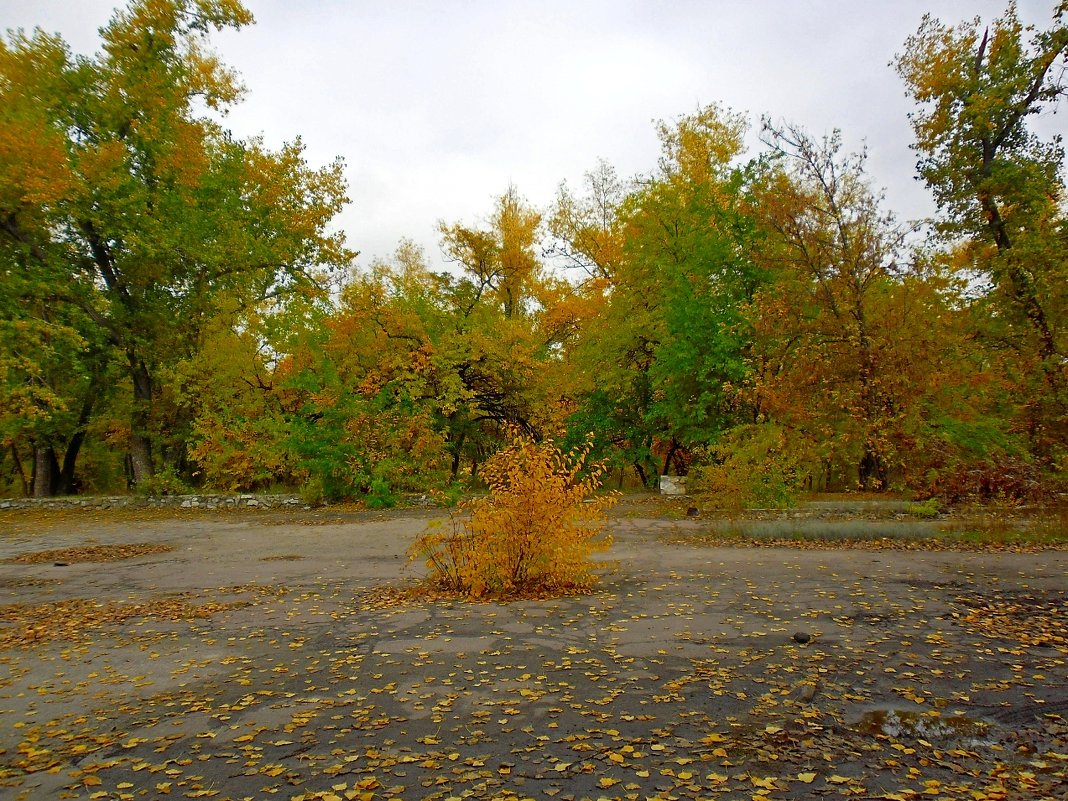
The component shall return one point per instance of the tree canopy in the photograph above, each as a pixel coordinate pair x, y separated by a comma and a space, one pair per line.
179, 310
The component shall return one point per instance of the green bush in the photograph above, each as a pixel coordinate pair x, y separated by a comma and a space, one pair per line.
312, 492
927, 510
749, 468
380, 496
166, 481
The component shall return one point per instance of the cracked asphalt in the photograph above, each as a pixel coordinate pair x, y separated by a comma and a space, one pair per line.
925, 674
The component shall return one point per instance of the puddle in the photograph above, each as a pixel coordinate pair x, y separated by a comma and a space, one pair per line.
944, 730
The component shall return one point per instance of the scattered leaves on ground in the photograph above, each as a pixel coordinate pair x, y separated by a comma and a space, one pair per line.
92, 553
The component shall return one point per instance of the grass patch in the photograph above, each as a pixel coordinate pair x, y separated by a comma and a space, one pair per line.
989, 531
1010, 527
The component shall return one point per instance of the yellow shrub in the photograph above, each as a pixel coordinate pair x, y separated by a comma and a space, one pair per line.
533, 534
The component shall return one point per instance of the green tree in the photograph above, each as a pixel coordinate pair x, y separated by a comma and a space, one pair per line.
53, 375
142, 211
657, 364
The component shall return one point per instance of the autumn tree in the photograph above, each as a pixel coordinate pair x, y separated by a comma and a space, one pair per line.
135, 206
835, 252
499, 335
586, 229
863, 365
500, 261
999, 187
231, 392
655, 363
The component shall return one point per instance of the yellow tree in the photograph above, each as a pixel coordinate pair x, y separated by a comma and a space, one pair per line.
501, 261
587, 231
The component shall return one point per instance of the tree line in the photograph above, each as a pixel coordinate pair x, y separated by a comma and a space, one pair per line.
179, 312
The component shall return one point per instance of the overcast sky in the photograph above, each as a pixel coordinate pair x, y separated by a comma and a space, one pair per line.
436, 107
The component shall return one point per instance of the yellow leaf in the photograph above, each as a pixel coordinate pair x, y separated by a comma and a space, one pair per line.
807, 778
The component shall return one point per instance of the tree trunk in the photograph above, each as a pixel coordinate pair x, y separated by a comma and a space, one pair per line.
67, 484
140, 417
457, 452
21, 471
872, 471
641, 474
668, 459
45, 472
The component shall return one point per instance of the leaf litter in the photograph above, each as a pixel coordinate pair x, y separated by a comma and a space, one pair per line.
91, 553
677, 681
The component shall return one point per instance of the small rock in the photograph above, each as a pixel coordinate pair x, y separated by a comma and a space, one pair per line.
802, 637
693, 511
